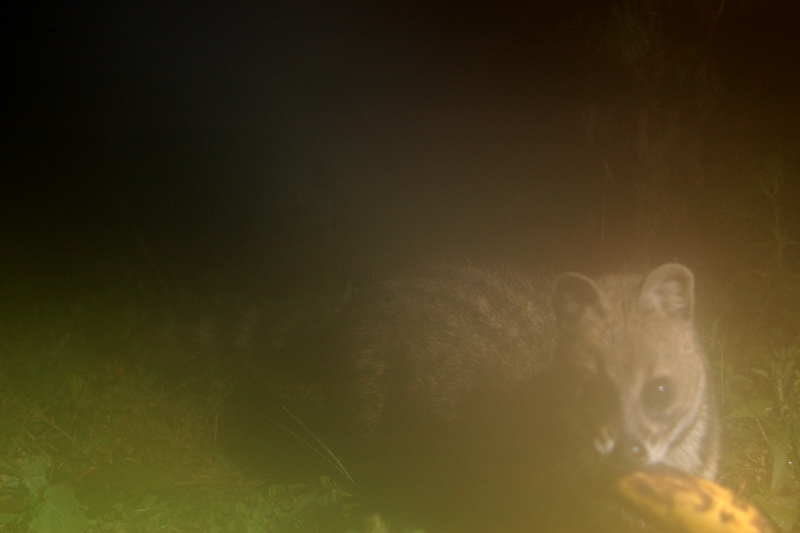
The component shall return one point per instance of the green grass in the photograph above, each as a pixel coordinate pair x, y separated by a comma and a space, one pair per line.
95, 437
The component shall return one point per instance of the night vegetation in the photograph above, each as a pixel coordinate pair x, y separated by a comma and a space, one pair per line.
149, 275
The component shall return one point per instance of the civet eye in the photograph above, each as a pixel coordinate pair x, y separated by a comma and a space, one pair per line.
657, 394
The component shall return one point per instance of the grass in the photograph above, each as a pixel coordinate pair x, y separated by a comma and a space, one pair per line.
755, 346
95, 436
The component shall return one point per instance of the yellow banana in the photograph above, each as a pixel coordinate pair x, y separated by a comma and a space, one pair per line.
689, 504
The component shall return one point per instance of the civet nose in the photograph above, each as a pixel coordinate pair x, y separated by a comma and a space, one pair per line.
631, 453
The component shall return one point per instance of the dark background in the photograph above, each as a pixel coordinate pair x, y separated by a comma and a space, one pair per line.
312, 143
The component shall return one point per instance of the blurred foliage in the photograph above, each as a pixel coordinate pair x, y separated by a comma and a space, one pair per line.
757, 348
93, 440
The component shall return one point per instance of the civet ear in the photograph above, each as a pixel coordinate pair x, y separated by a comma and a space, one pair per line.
668, 292
575, 296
